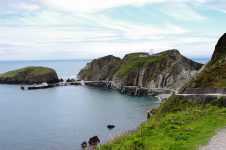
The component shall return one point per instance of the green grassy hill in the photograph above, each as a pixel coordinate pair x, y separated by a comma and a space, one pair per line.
29, 75
135, 60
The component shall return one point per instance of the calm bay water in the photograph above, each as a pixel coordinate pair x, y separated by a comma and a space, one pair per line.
62, 118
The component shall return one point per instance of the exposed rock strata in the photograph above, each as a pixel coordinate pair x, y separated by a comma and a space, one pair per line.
139, 71
100, 69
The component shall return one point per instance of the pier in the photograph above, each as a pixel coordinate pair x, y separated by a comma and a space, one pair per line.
46, 85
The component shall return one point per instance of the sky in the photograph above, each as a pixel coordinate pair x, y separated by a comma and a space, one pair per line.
86, 29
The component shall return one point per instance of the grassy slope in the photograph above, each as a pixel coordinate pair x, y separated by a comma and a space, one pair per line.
214, 75
177, 125
133, 60
33, 71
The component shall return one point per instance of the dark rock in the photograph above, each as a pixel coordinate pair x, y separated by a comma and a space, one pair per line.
220, 48
70, 80
100, 69
110, 126
93, 141
151, 113
214, 72
61, 80
84, 145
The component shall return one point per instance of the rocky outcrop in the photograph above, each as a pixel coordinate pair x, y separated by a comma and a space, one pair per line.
168, 69
220, 48
29, 75
100, 69
139, 71
214, 73
94, 140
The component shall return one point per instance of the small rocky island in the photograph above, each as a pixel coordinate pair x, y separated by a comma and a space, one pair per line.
30, 75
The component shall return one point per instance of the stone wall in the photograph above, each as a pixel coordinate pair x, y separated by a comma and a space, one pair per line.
205, 91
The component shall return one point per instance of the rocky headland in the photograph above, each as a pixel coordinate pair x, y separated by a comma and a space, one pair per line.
141, 73
188, 119
30, 75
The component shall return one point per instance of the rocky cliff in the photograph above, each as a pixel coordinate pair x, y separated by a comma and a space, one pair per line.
100, 69
167, 69
29, 75
214, 74
220, 48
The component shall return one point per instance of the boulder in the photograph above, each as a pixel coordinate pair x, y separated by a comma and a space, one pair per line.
93, 141
110, 126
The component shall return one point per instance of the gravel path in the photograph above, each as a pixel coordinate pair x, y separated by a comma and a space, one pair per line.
218, 142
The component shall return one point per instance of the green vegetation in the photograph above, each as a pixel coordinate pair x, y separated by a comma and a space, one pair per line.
214, 75
34, 71
134, 60
177, 125
29, 75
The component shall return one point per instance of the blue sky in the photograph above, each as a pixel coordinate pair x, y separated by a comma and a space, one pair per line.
84, 29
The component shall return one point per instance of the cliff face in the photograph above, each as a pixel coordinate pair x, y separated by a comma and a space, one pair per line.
29, 75
220, 48
167, 69
214, 74
100, 69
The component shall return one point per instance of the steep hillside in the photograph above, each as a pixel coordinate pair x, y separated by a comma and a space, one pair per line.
167, 69
220, 48
214, 74
29, 75
100, 69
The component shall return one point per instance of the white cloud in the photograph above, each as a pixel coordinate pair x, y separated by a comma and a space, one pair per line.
181, 12
20, 5
43, 42
89, 6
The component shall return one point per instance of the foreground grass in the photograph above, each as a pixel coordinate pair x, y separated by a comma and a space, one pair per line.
177, 125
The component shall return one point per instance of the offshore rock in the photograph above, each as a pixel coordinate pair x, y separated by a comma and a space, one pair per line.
30, 75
